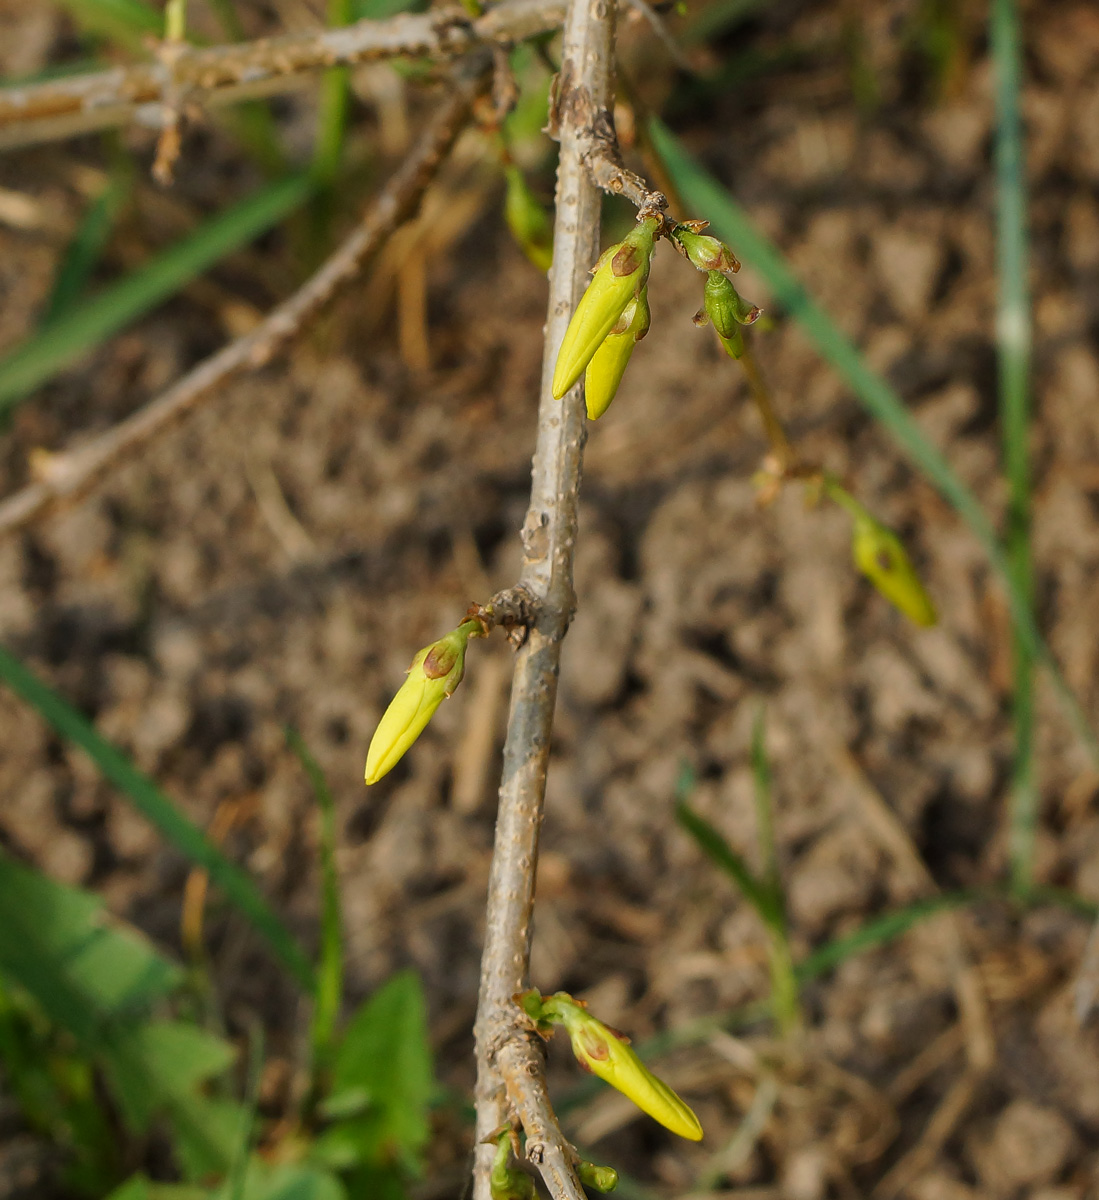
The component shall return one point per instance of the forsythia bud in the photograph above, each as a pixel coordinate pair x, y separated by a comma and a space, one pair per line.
601, 1179
604, 372
620, 274
607, 1054
527, 220
880, 555
704, 251
727, 311
435, 672
508, 1183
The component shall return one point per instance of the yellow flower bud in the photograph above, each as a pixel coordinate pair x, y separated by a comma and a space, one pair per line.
880, 555
607, 1054
620, 274
435, 672
605, 371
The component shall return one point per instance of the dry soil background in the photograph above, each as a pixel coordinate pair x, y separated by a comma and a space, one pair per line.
278, 557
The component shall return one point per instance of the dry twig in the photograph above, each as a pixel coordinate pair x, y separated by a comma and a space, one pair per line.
66, 476
151, 93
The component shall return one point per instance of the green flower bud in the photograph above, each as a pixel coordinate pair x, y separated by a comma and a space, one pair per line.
505, 1182
606, 1053
727, 311
704, 251
527, 220
724, 307
604, 372
435, 672
620, 274
600, 1179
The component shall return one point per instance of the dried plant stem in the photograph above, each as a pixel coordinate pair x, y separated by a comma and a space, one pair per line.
509, 1064
151, 93
67, 476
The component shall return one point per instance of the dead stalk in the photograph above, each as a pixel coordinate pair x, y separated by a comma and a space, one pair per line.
151, 93
65, 477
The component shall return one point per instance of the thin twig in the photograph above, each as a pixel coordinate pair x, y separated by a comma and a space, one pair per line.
151, 92
509, 1070
66, 476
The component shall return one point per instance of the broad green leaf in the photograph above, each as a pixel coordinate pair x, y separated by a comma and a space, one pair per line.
156, 1070
300, 1181
66, 340
140, 1187
81, 967
385, 1053
153, 804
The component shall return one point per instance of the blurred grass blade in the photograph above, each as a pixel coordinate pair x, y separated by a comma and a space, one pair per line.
127, 21
86, 248
66, 340
880, 931
328, 994
1013, 336
335, 103
153, 804
714, 844
765, 818
702, 193
785, 1001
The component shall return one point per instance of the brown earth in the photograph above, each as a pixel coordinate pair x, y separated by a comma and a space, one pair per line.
277, 559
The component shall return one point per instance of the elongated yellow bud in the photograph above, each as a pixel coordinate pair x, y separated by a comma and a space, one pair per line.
606, 1053
604, 372
620, 274
880, 555
435, 672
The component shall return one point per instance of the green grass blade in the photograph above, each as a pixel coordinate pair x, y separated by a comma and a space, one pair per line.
785, 1001
765, 817
704, 194
328, 994
86, 248
155, 806
714, 845
335, 103
66, 340
1013, 340
127, 21
878, 932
